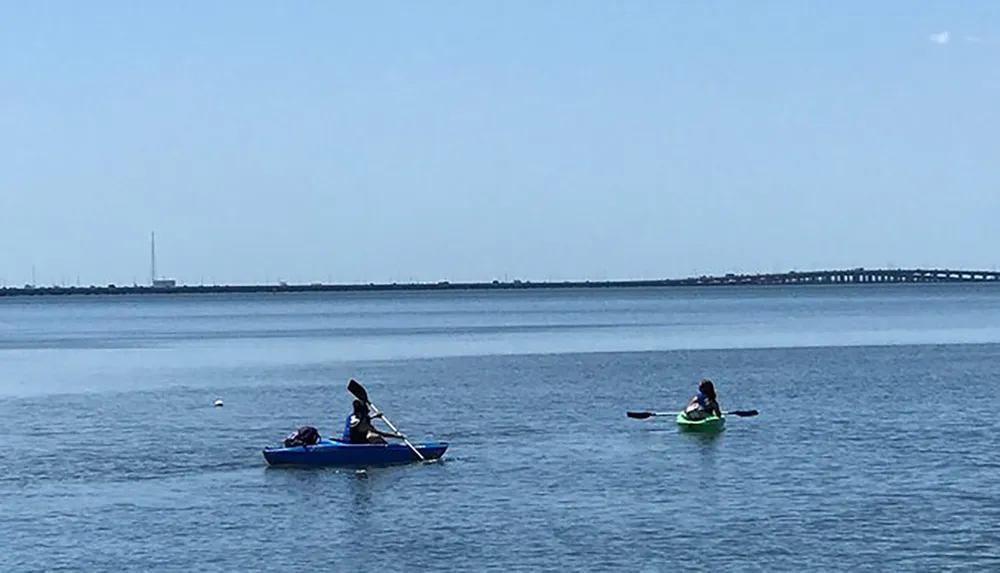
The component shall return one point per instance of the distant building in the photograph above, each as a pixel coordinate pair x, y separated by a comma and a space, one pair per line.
164, 283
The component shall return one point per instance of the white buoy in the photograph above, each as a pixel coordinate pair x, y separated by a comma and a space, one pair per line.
218, 403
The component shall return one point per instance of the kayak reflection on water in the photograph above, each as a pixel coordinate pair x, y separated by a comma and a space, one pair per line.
704, 404
359, 429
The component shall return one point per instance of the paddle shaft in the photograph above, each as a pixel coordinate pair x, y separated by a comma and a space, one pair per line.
644, 415
412, 447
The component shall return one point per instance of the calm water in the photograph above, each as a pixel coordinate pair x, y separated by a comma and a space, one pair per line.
875, 448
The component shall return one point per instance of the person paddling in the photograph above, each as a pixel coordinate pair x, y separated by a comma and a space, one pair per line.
704, 404
359, 429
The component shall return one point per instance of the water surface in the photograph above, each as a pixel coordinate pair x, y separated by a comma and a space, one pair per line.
874, 449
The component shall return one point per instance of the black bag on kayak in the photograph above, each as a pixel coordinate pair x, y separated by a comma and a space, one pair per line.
304, 436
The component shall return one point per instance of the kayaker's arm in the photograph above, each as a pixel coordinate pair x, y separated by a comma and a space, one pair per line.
716, 409
692, 404
389, 435
375, 430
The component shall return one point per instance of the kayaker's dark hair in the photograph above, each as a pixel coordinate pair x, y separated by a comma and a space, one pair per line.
360, 408
707, 388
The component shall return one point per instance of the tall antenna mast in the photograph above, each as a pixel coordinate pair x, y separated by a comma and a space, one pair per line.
152, 258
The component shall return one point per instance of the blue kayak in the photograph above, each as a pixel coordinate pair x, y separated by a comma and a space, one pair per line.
334, 453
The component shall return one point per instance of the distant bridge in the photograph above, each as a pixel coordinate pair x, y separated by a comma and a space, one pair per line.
848, 276
842, 277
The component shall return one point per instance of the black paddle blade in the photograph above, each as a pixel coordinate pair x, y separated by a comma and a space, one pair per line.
358, 390
744, 413
639, 415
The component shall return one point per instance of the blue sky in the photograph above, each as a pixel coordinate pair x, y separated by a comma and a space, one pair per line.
394, 141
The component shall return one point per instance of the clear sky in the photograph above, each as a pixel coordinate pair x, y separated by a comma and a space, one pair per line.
393, 141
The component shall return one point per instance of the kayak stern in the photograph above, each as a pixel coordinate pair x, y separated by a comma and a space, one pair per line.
710, 424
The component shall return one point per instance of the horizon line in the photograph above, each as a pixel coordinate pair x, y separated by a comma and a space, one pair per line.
852, 276
166, 282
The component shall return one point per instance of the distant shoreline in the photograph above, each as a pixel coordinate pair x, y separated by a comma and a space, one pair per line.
857, 277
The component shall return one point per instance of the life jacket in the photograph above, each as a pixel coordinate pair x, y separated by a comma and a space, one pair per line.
346, 435
702, 400
352, 431
705, 403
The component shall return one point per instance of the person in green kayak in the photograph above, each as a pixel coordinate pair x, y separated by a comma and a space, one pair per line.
704, 404
359, 429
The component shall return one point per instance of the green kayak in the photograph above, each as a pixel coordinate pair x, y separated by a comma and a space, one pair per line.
710, 424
